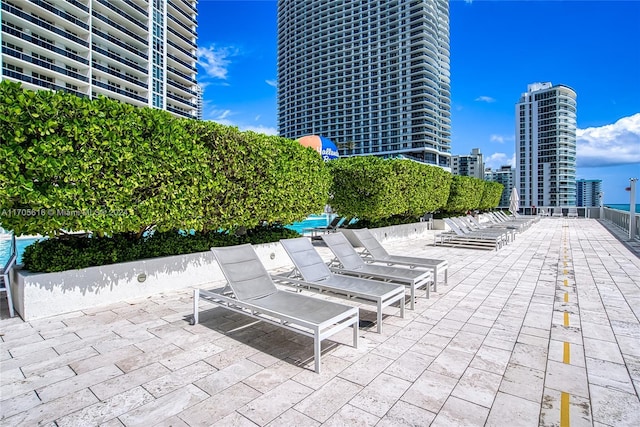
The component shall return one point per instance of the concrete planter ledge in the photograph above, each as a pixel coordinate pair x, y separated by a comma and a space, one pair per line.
39, 295
417, 230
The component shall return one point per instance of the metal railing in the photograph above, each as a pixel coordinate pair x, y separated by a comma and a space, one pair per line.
621, 219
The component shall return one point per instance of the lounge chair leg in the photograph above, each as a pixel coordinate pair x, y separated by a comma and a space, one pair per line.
196, 298
355, 331
316, 351
379, 317
402, 308
412, 306
446, 276
435, 279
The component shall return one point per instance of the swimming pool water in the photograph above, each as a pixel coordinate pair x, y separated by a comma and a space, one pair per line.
22, 242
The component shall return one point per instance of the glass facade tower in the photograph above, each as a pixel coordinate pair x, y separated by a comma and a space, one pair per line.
142, 52
372, 75
546, 146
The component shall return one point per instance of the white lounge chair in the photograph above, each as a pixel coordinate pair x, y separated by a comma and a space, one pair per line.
353, 265
376, 253
251, 291
474, 240
572, 213
312, 273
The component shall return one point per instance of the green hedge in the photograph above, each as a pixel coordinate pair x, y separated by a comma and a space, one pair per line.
491, 195
466, 194
60, 254
108, 167
373, 189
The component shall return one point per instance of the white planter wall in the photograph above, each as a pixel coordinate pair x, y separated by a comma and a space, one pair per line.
38, 295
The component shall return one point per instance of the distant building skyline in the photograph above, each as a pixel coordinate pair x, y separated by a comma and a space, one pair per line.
588, 192
373, 77
138, 52
545, 145
505, 176
468, 164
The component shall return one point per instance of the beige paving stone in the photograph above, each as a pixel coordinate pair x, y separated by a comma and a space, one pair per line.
178, 379
42, 345
17, 342
610, 375
78, 382
27, 359
430, 391
568, 378
210, 411
406, 414
105, 359
177, 422
139, 359
107, 410
380, 395
451, 362
466, 341
615, 408
501, 338
167, 406
16, 388
604, 350
366, 369
327, 400
124, 382
50, 411
513, 411
178, 360
579, 410
531, 356
228, 377
17, 404
272, 404
477, 386
271, 377
394, 347
351, 416
523, 382
597, 331
409, 366
289, 418
491, 359
458, 412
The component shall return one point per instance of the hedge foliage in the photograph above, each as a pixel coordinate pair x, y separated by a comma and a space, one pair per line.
107, 167
491, 195
371, 189
60, 254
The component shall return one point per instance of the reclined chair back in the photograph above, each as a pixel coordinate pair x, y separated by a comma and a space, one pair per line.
343, 250
370, 243
245, 274
306, 259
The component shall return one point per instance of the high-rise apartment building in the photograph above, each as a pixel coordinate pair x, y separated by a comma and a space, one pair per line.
588, 192
546, 146
142, 52
469, 164
505, 176
371, 75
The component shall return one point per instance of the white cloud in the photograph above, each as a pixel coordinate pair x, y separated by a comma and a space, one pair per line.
609, 145
261, 129
273, 83
486, 99
215, 60
497, 138
257, 118
497, 160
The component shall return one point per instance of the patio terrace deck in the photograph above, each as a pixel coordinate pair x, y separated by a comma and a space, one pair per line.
545, 331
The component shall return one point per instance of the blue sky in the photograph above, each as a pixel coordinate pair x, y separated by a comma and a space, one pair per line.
497, 49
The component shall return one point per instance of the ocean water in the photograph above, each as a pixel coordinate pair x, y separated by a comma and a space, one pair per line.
623, 207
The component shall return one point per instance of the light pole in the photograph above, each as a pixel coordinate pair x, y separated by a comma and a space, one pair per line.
601, 195
632, 208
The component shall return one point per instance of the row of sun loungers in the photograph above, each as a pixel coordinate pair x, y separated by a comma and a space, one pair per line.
252, 291
468, 232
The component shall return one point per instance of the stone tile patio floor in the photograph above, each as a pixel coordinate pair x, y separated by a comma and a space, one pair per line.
545, 331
